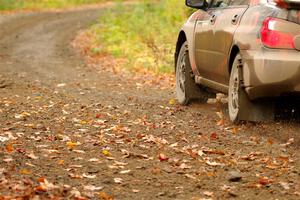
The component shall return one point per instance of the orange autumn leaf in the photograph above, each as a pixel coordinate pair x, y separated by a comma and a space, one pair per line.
235, 130
104, 196
25, 171
41, 188
270, 141
41, 179
72, 145
61, 162
9, 148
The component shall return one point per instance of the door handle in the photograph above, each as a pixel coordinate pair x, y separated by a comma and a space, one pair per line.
213, 19
235, 19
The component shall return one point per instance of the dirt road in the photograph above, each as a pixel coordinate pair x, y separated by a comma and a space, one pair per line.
72, 132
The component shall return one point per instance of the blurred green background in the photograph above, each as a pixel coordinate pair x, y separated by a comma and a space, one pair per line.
39, 4
144, 33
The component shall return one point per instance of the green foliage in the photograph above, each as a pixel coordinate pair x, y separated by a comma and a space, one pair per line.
39, 4
145, 33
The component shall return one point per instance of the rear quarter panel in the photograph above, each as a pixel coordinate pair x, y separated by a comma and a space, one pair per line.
247, 37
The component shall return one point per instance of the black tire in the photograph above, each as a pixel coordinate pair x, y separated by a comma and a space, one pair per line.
240, 107
186, 88
235, 93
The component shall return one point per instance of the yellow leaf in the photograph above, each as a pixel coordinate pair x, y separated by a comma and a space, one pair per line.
106, 153
171, 101
25, 171
72, 145
83, 122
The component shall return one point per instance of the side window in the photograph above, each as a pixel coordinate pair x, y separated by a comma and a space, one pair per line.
220, 3
239, 2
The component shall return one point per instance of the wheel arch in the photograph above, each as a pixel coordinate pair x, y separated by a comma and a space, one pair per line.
234, 51
181, 39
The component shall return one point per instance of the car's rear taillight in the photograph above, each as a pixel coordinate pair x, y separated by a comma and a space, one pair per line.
275, 35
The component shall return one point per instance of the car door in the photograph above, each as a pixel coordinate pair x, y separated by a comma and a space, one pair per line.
214, 36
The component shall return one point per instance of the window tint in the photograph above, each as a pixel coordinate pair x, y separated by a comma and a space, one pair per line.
220, 3
225, 3
239, 2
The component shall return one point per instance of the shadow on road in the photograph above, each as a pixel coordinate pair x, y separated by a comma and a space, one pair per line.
288, 109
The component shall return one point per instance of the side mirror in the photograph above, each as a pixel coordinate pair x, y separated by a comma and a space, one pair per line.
200, 4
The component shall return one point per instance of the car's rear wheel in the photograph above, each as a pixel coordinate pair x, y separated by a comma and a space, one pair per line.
239, 105
236, 94
186, 88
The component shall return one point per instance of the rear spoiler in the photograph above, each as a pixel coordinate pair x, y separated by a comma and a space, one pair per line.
288, 4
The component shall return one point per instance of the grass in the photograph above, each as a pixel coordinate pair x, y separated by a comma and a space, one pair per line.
41, 4
145, 34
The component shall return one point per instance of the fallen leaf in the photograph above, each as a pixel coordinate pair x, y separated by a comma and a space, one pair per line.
61, 85
9, 147
41, 188
89, 176
3, 139
190, 176
213, 163
25, 171
162, 157
234, 130
264, 181
61, 162
208, 194
75, 176
213, 136
125, 171
106, 153
270, 141
105, 196
92, 188
118, 180
213, 151
200, 153
72, 145
221, 122
32, 156
94, 160
285, 185
41, 179
192, 153
8, 159
172, 101
184, 166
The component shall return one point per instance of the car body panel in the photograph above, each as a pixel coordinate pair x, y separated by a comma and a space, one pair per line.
266, 74
188, 29
213, 41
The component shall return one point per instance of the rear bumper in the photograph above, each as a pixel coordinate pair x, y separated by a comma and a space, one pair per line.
270, 73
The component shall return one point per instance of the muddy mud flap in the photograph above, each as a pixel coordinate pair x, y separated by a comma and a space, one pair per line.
256, 111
